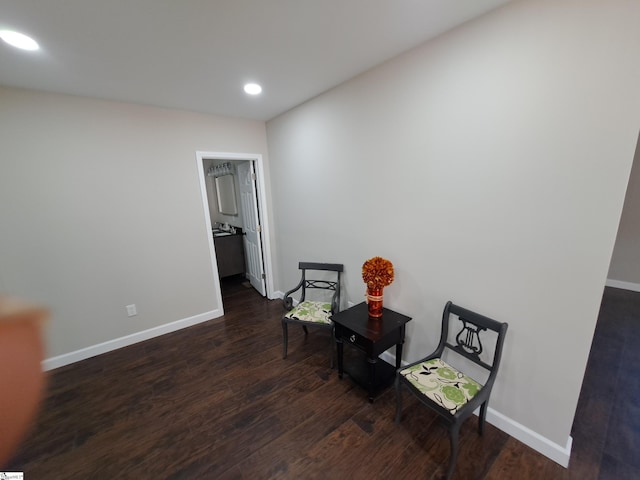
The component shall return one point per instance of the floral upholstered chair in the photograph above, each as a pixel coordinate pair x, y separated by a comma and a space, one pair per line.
313, 312
446, 390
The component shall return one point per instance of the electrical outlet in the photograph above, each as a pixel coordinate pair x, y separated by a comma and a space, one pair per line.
131, 310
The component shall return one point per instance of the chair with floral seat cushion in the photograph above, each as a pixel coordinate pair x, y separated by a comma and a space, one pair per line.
452, 394
313, 312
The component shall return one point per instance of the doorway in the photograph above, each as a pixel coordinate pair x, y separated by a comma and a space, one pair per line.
250, 219
624, 267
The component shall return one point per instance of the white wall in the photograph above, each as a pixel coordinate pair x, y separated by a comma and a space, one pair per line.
624, 270
490, 167
100, 207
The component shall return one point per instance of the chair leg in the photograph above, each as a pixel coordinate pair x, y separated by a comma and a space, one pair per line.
332, 348
285, 339
453, 432
398, 399
481, 418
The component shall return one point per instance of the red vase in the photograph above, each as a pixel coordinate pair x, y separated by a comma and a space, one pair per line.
374, 299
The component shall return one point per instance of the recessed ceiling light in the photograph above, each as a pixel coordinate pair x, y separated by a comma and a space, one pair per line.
19, 40
252, 88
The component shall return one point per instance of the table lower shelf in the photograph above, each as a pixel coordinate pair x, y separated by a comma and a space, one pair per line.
357, 367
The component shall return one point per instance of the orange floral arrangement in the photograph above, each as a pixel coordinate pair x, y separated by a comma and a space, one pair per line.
377, 272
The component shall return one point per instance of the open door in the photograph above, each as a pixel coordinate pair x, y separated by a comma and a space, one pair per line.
252, 228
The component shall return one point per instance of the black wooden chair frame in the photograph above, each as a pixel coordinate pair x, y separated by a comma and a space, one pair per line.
304, 284
468, 345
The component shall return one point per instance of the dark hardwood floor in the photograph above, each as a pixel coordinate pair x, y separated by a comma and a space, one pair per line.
217, 401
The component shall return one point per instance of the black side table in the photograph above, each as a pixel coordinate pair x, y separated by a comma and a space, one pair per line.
373, 337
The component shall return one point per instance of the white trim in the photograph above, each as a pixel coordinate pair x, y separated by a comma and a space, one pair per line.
207, 220
262, 210
390, 358
264, 223
116, 343
543, 445
634, 287
546, 447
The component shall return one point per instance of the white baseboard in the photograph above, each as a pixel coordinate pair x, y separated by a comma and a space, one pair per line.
634, 287
543, 445
92, 351
390, 358
546, 447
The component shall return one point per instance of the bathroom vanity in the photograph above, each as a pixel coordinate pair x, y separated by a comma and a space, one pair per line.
229, 252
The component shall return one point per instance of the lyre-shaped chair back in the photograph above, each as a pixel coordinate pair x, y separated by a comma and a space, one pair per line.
453, 394
468, 341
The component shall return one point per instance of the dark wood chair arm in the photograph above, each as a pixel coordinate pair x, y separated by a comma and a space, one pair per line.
287, 301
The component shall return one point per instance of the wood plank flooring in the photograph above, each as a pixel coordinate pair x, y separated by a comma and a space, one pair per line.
216, 401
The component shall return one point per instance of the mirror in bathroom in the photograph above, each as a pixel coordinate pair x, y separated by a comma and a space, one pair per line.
226, 192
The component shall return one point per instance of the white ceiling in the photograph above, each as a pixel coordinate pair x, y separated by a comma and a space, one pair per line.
197, 54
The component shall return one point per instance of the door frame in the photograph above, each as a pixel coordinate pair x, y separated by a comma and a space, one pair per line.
261, 194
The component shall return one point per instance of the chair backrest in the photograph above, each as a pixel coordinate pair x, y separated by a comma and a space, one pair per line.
467, 341
321, 283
